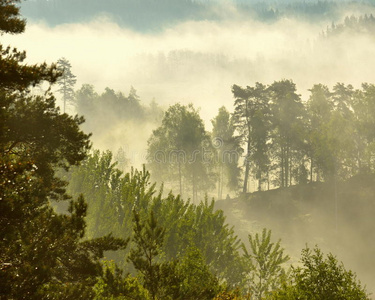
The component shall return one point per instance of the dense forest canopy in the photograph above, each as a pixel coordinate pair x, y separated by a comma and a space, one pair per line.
78, 222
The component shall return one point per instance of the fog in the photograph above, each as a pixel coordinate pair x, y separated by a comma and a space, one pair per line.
198, 62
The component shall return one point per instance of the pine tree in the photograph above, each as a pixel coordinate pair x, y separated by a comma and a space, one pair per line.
41, 252
66, 81
148, 239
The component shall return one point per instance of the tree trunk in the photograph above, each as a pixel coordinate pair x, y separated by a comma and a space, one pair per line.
247, 167
180, 177
290, 169
194, 188
282, 167
287, 167
220, 183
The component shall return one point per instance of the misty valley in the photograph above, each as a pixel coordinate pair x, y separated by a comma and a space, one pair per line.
187, 149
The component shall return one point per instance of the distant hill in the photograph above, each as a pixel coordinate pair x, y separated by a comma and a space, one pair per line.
152, 15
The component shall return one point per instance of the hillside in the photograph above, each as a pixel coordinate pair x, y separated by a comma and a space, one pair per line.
306, 214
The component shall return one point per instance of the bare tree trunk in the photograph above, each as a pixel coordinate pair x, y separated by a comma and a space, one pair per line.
180, 177
290, 168
287, 167
282, 167
221, 182
247, 167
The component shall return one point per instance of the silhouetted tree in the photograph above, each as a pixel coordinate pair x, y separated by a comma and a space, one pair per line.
41, 251
66, 81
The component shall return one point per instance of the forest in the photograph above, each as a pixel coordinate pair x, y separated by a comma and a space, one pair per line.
79, 222
149, 15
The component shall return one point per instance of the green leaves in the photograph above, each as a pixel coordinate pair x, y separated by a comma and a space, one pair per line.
41, 249
252, 121
178, 151
321, 278
10, 21
148, 239
264, 261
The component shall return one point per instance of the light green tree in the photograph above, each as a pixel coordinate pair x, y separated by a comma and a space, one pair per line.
179, 150
265, 261
42, 252
227, 151
148, 239
321, 278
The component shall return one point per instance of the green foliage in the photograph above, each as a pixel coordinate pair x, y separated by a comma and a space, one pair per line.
112, 197
113, 285
228, 151
288, 128
148, 239
179, 150
10, 21
264, 261
197, 281
252, 121
41, 252
187, 277
321, 278
287, 141
15, 76
231, 295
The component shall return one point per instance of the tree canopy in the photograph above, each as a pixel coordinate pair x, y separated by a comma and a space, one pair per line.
41, 252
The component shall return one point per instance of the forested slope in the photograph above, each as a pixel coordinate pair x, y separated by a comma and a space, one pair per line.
336, 216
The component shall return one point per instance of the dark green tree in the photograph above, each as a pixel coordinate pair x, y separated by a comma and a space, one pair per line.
14, 75
41, 252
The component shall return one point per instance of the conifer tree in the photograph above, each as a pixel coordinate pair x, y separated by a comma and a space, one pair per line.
41, 252
66, 81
